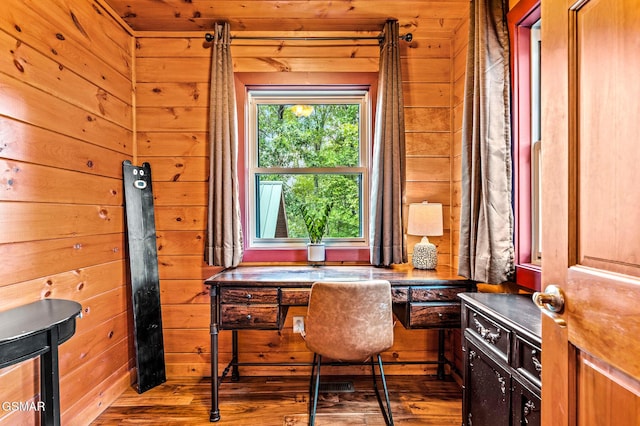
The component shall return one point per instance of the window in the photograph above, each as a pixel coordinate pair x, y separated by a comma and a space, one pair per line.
524, 25
536, 172
307, 148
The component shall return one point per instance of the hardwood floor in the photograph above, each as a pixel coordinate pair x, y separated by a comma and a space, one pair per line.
415, 400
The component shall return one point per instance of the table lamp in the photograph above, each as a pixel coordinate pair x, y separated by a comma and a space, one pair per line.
425, 220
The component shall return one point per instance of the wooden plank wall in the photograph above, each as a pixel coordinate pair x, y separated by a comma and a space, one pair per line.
65, 128
68, 119
459, 66
460, 43
427, 89
172, 109
172, 74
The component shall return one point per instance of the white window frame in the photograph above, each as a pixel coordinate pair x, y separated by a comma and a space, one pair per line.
307, 97
536, 163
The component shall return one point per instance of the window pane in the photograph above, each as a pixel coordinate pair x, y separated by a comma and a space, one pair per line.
536, 204
279, 197
536, 173
308, 148
536, 108
314, 135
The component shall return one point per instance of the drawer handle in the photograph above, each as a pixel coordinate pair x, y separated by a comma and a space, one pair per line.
486, 334
249, 317
249, 296
529, 407
472, 356
503, 384
536, 362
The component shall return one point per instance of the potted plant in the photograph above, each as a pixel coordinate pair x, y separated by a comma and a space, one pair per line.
315, 221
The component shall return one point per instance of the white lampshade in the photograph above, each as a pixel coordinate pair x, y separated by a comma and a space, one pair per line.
425, 219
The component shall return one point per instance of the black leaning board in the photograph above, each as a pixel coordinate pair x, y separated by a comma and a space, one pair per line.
143, 270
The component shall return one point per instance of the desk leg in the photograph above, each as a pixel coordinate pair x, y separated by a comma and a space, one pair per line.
235, 372
49, 382
441, 358
214, 414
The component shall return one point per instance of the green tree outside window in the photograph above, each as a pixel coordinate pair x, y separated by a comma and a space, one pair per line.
328, 137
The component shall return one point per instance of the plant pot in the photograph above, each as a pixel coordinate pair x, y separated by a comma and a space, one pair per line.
315, 253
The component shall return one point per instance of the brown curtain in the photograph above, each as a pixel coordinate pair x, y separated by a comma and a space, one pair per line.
486, 218
388, 169
224, 230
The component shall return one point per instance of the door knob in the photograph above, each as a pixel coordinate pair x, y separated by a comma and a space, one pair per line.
552, 299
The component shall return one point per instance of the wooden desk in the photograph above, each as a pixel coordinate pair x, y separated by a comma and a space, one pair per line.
258, 298
37, 329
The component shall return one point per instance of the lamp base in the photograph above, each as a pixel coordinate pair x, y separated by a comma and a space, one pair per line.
425, 255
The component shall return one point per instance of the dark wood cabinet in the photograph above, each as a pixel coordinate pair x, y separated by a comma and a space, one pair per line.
502, 360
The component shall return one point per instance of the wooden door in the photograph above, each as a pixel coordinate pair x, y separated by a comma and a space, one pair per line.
591, 211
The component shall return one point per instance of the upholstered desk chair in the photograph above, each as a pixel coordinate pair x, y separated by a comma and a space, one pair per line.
350, 322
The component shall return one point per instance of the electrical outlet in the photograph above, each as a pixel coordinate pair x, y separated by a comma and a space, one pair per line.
298, 324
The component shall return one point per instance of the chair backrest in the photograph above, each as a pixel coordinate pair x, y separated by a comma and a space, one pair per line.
349, 320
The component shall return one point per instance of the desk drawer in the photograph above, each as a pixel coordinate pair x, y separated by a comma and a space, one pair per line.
492, 333
295, 296
400, 294
248, 295
436, 293
266, 317
435, 315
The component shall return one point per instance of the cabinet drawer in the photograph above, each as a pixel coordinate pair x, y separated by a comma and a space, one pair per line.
436, 293
250, 316
295, 296
249, 295
525, 405
434, 315
490, 332
529, 360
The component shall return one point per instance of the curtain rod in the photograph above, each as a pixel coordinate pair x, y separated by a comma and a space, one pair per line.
407, 37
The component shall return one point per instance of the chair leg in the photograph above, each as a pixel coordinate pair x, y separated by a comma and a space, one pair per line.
311, 382
316, 386
388, 418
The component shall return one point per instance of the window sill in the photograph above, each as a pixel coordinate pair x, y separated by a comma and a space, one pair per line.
346, 254
529, 276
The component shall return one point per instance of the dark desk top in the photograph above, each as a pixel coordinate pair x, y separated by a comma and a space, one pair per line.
291, 276
35, 317
516, 309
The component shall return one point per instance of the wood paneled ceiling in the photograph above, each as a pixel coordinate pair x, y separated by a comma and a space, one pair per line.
421, 17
